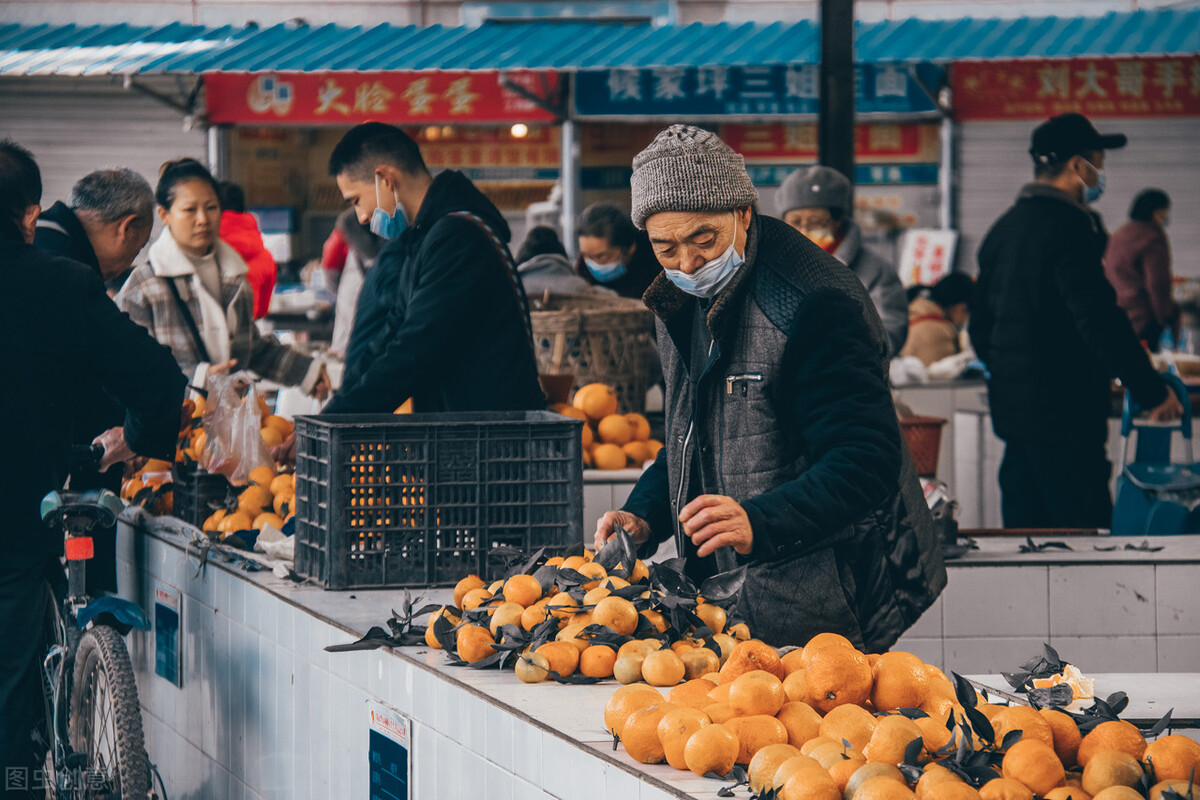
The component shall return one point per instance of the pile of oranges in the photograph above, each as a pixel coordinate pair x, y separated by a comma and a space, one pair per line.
824, 723
610, 440
588, 623
268, 500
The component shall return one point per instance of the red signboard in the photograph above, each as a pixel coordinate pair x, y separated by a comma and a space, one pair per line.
876, 142
347, 98
1097, 87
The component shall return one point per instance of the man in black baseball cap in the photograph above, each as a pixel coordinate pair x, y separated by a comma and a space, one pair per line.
1072, 143
1046, 323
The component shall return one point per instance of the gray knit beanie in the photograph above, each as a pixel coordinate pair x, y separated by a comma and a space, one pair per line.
815, 187
687, 168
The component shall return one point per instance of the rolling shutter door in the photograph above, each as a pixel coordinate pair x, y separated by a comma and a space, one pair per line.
76, 125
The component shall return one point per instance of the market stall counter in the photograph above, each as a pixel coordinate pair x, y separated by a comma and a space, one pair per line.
241, 699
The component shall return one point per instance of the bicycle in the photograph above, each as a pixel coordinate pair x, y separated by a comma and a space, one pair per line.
92, 732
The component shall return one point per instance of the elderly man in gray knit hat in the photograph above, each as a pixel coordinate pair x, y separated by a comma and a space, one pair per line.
782, 450
817, 202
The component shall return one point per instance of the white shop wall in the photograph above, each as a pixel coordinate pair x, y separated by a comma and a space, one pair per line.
994, 164
76, 125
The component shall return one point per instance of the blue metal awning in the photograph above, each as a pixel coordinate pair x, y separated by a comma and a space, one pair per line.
570, 46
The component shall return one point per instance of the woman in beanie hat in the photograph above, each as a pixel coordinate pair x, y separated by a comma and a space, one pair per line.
782, 449
818, 202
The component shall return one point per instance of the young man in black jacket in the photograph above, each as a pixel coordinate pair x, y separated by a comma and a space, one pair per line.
1046, 323
442, 317
64, 338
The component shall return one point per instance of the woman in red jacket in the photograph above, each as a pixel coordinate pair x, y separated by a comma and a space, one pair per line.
240, 231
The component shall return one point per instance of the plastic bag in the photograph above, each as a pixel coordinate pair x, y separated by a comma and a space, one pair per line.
232, 421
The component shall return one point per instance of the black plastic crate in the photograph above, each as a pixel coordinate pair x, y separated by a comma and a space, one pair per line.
194, 491
388, 500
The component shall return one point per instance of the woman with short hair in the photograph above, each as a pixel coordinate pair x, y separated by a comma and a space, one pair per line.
1138, 265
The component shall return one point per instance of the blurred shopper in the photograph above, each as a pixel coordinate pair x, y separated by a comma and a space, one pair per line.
104, 225
240, 231
65, 340
612, 252
348, 253
1138, 265
1046, 323
936, 315
193, 296
783, 451
543, 266
442, 318
818, 202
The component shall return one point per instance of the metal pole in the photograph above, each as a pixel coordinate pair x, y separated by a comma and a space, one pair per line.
216, 152
835, 137
946, 180
570, 183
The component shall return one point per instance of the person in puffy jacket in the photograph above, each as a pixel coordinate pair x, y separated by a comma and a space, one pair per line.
240, 231
935, 316
818, 203
1046, 323
1138, 265
783, 453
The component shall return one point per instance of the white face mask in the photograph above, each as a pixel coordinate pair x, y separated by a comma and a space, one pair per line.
712, 276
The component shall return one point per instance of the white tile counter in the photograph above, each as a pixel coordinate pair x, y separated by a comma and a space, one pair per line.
265, 712
1109, 611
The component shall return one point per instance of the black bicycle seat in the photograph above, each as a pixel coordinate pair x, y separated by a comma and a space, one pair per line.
99, 507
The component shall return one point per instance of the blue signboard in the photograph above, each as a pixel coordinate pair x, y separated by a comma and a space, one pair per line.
766, 90
609, 178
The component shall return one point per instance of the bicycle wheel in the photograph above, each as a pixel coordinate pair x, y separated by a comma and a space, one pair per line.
106, 718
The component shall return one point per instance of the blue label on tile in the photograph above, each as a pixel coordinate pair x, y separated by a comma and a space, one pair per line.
168, 658
388, 760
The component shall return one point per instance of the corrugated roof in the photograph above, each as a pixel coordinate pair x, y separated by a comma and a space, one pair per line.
177, 48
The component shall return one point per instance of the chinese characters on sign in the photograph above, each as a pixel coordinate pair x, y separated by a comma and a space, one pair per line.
874, 142
1099, 87
927, 256
715, 91
397, 97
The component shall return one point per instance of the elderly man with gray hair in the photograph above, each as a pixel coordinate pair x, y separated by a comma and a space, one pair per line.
105, 225
783, 452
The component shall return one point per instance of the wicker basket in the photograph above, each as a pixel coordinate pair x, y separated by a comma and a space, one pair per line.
924, 438
597, 339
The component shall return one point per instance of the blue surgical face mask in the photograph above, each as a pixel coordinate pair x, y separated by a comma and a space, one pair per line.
713, 276
385, 225
605, 273
1093, 193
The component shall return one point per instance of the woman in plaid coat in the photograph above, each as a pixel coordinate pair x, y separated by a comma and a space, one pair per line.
193, 296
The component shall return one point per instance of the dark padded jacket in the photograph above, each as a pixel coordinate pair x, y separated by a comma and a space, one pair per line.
793, 418
439, 319
67, 340
60, 232
1045, 321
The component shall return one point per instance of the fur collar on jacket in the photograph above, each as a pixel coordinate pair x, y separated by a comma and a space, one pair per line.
168, 260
